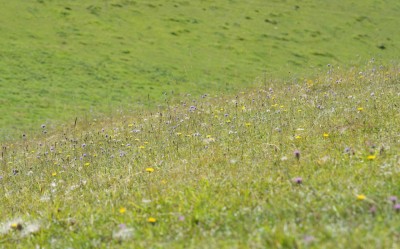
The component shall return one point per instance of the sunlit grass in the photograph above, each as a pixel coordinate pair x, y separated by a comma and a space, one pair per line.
309, 163
65, 59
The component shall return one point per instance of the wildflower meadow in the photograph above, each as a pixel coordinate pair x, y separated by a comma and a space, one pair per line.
311, 163
199, 124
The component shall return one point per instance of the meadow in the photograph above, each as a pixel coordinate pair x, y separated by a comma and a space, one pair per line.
199, 124
65, 59
303, 164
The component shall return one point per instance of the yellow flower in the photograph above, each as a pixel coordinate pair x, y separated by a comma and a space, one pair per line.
141, 147
248, 124
360, 109
54, 174
151, 220
150, 170
298, 137
122, 210
16, 226
243, 108
325, 135
371, 157
361, 197
87, 164
178, 133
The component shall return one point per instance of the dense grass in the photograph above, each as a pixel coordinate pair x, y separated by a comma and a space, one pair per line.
311, 163
65, 59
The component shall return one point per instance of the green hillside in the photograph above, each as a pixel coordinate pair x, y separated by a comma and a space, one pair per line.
313, 164
65, 59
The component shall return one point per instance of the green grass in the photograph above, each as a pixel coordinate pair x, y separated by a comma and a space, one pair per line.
221, 174
65, 59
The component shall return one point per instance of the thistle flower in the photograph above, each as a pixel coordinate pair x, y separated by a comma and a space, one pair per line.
393, 199
297, 154
298, 180
372, 210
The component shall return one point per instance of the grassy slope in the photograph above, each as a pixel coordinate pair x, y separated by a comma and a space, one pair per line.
224, 173
59, 59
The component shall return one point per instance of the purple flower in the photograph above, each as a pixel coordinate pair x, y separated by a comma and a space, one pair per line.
181, 218
372, 210
397, 207
308, 239
393, 199
298, 180
192, 108
83, 145
297, 154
